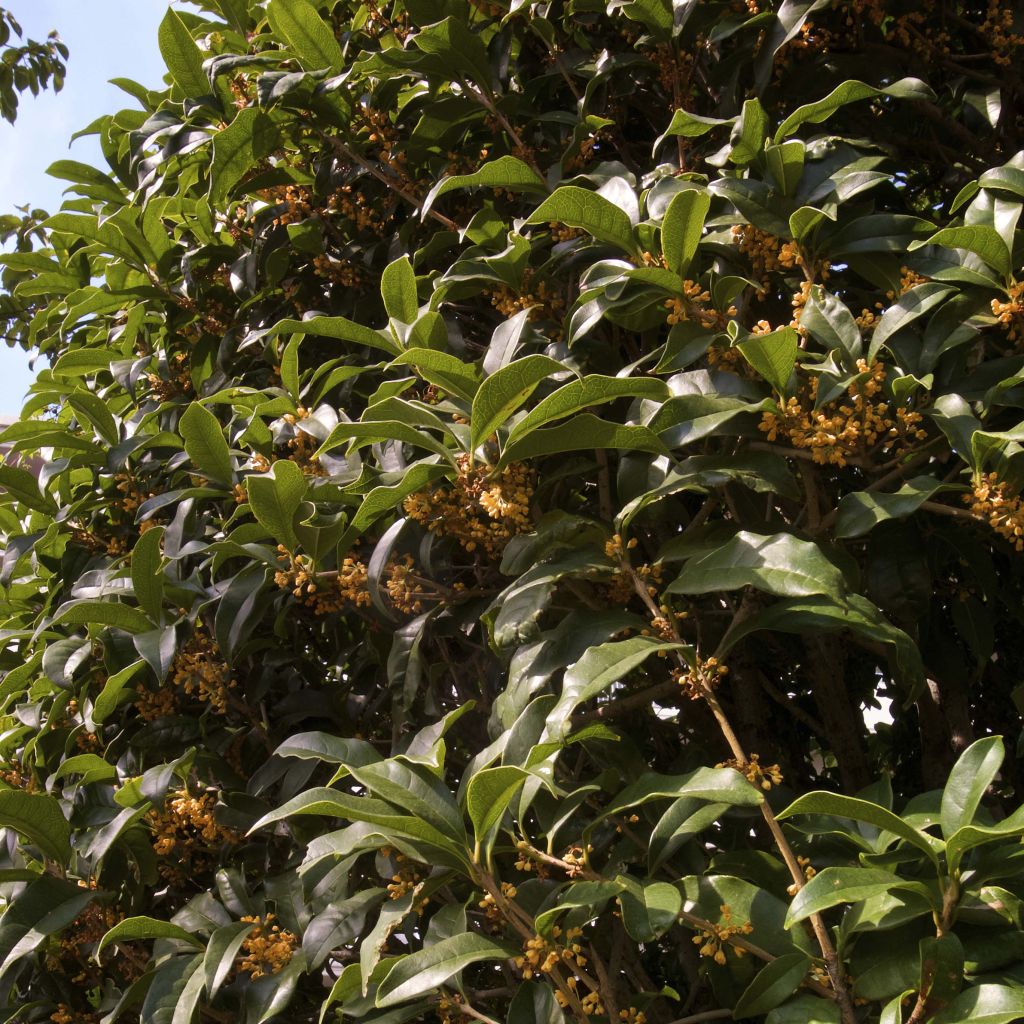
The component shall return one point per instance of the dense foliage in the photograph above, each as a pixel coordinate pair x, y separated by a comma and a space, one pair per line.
491, 455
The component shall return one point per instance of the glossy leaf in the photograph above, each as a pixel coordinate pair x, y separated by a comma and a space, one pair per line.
421, 972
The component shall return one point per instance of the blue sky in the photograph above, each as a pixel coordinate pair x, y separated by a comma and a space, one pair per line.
108, 39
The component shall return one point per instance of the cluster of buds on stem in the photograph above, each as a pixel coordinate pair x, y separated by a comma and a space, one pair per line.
715, 940
757, 774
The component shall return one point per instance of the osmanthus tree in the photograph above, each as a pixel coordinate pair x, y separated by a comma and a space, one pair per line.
493, 452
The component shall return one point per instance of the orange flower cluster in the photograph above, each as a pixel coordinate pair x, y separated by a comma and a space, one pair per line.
992, 501
757, 774
490, 907
362, 210
404, 589
1011, 314
541, 955
846, 427
268, 947
297, 201
15, 777
809, 873
480, 512
542, 302
325, 594
343, 272
620, 589
714, 941
767, 254
186, 834
705, 678
997, 28
199, 669
80, 938
152, 705
695, 306
178, 383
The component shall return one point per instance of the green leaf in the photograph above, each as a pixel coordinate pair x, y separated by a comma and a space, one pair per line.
238, 148
460, 50
855, 809
690, 126
377, 431
299, 22
778, 564
416, 790
382, 500
773, 356
330, 803
648, 911
40, 819
583, 393
398, 290
860, 511
774, 984
970, 836
589, 895
829, 321
984, 1004
682, 228
488, 795
135, 929
339, 328
600, 667
443, 370
147, 572
108, 698
749, 133
275, 497
505, 391
321, 746
112, 241
423, 971
221, 951
972, 774
181, 55
24, 487
580, 208
205, 443
942, 970
786, 164
892, 1012
721, 785
507, 172
921, 299
535, 1004
805, 1009
850, 92
582, 433
102, 613
985, 242
832, 886
705, 896
686, 817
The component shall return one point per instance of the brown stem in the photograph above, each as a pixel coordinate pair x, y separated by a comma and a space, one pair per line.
476, 1014
356, 158
828, 951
